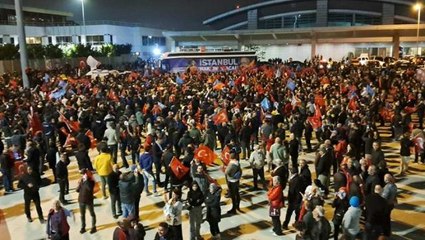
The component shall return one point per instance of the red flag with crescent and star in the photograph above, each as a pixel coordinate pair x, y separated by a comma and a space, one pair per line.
221, 117
225, 155
205, 154
178, 168
316, 119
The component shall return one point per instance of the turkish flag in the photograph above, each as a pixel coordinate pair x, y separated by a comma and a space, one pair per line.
319, 100
205, 154
93, 141
113, 96
72, 125
225, 156
179, 170
316, 119
352, 104
34, 121
221, 117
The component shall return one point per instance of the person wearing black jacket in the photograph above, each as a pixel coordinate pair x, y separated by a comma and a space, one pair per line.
114, 191
138, 189
308, 133
341, 205
405, 145
323, 167
6, 168
305, 174
377, 154
164, 232
85, 199
83, 159
195, 199
212, 202
295, 186
62, 176
30, 182
166, 160
376, 208
51, 158
371, 181
33, 157
293, 149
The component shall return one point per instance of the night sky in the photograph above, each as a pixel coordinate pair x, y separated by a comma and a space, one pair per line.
164, 14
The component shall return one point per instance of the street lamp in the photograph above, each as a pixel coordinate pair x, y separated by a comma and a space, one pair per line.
418, 7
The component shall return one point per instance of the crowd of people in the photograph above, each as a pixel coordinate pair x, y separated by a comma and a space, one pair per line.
149, 129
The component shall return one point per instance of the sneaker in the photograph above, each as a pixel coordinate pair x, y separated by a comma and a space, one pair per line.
29, 220
115, 216
42, 221
82, 230
93, 230
148, 193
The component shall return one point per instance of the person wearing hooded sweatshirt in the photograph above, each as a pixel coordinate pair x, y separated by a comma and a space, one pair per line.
212, 202
195, 198
127, 186
351, 220
85, 199
340, 204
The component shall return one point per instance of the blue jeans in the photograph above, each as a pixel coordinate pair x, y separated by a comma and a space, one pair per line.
146, 176
7, 179
127, 209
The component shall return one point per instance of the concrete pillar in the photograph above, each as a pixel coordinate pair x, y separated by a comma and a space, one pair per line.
322, 13
75, 39
313, 48
6, 39
107, 38
44, 40
387, 13
396, 45
253, 19
83, 39
22, 42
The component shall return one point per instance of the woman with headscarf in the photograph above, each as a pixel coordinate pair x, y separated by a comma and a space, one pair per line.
195, 198
57, 224
173, 213
212, 201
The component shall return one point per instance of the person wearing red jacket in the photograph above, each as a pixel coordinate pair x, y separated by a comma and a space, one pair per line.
276, 202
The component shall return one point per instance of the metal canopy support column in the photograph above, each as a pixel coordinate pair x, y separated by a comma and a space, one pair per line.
396, 45
22, 42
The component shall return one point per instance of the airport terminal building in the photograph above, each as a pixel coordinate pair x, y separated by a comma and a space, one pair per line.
279, 28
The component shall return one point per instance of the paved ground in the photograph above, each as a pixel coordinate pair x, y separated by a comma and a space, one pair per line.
254, 223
